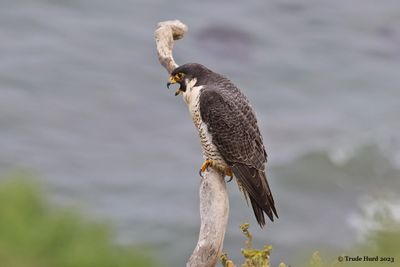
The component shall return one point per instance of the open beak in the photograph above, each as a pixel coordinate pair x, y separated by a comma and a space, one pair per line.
173, 81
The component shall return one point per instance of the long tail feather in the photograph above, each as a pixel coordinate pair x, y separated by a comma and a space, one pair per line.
255, 185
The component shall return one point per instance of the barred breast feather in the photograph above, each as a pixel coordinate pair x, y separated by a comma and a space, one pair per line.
210, 151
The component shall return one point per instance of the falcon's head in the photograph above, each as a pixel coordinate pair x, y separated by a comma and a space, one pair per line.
191, 73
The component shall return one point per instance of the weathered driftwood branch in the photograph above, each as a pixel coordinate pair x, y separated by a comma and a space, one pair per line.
165, 34
214, 211
214, 203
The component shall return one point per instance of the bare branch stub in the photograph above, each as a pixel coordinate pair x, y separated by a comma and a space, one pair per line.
165, 34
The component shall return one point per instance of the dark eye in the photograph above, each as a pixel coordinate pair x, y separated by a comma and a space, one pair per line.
180, 75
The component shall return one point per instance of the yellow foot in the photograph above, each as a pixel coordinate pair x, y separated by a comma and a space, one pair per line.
209, 163
205, 165
228, 172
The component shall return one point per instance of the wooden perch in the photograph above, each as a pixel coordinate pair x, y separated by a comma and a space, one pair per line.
165, 34
214, 202
214, 212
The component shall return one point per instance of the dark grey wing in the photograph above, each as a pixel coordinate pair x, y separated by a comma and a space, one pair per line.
234, 130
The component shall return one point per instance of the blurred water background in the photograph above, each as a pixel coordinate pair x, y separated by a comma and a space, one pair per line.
84, 106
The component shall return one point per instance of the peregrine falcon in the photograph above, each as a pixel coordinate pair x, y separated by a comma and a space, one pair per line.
228, 131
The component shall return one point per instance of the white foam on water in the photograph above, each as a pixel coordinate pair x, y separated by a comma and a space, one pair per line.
366, 221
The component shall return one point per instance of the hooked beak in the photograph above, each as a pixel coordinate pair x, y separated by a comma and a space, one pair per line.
173, 81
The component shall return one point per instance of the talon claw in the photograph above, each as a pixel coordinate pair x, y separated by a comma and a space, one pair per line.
204, 167
230, 179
